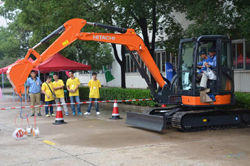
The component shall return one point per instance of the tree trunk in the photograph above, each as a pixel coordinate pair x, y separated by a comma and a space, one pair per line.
123, 67
144, 28
152, 48
122, 63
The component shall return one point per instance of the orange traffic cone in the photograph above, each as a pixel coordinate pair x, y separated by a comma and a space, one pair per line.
115, 113
59, 116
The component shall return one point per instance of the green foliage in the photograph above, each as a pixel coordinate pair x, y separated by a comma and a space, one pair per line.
10, 47
6, 84
5, 61
84, 93
242, 99
175, 34
121, 94
35, 19
230, 17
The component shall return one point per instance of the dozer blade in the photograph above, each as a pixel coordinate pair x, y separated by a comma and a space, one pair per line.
18, 74
146, 121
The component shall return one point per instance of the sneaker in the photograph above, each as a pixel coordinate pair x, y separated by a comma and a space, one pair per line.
79, 113
47, 115
73, 113
39, 114
66, 113
53, 114
98, 113
33, 114
87, 113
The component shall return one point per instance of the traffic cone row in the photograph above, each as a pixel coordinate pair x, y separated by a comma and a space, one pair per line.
60, 120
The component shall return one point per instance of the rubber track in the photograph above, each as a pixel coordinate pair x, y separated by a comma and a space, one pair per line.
177, 118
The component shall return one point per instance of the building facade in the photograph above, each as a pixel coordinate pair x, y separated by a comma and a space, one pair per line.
133, 77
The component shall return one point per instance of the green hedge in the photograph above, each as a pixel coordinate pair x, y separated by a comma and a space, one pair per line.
120, 94
242, 99
6, 84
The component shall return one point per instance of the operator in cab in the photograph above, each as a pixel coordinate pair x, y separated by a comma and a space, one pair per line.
201, 65
212, 57
209, 66
204, 59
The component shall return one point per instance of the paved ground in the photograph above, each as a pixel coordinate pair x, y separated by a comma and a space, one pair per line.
99, 141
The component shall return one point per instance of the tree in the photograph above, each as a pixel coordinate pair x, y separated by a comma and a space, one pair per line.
147, 15
231, 18
175, 33
107, 14
11, 46
33, 17
144, 16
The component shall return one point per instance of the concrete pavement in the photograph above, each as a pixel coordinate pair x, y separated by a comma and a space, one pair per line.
100, 141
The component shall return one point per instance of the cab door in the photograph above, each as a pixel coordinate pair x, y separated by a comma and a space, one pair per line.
225, 71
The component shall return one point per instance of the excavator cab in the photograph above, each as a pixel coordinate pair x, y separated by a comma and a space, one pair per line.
185, 86
188, 86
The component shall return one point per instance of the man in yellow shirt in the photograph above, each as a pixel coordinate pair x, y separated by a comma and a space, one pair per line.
73, 84
94, 95
48, 91
58, 88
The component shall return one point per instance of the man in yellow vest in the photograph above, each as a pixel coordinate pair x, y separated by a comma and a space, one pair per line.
58, 86
73, 84
94, 95
48, 91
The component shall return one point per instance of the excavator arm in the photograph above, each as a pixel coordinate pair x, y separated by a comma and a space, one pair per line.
70, 32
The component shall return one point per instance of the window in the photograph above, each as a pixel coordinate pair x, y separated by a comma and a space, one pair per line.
187, 56
163, 60
241, 54
130, 65
160, 59
225, 55
127, 63
238, 55
186, 64
226, 83
247, 55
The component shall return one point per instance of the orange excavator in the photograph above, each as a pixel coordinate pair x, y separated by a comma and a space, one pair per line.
189, 112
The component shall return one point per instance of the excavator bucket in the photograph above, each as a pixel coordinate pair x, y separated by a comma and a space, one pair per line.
146, 121
18, 73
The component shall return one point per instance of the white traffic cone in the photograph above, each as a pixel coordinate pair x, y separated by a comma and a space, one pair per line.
59, 116
115, 113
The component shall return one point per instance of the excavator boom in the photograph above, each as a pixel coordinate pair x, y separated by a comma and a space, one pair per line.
70, 32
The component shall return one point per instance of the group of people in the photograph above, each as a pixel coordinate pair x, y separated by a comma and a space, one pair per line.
206, 67
54, 93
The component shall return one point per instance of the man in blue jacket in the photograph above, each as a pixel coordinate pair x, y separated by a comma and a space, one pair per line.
210, 65
204, 59
34, 89
212, 56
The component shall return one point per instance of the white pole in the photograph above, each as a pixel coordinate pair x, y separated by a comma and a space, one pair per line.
25, 93
2, 82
